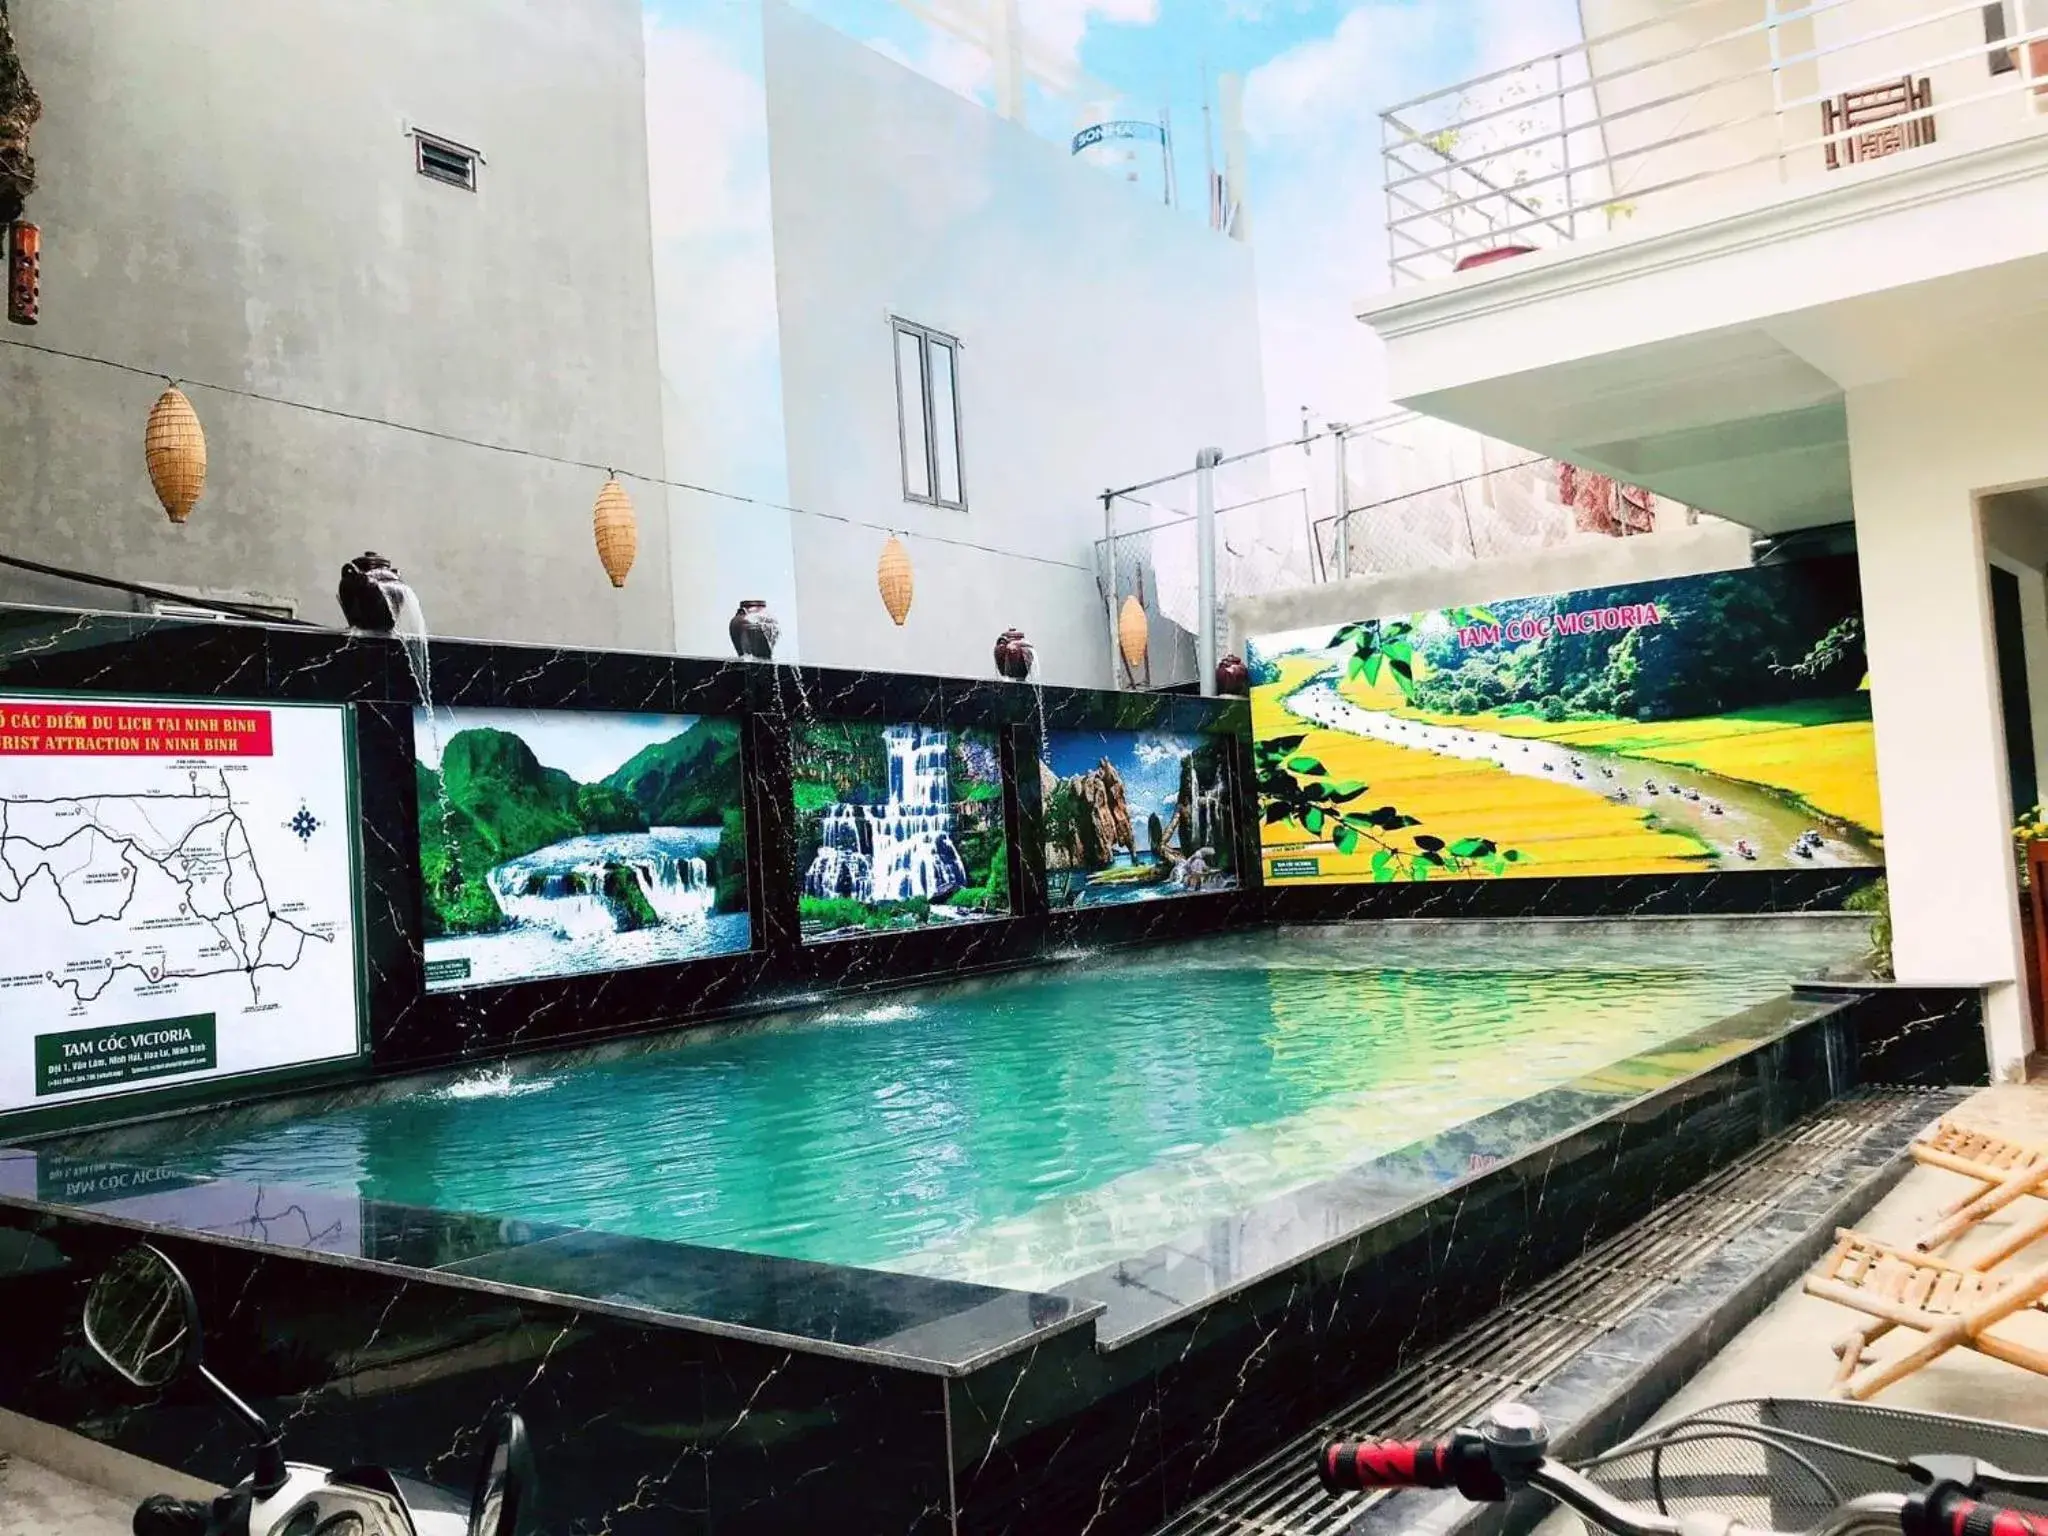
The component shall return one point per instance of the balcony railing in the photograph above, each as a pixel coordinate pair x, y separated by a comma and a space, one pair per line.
1711, 102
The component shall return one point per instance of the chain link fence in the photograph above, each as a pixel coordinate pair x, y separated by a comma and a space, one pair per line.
1266, 505
1384, 498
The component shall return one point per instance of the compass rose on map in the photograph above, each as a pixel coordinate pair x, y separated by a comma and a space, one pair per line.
303, 825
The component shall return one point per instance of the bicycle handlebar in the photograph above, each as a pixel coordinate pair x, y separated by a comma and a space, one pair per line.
1349, 1466
1956, 1514
1464, 1462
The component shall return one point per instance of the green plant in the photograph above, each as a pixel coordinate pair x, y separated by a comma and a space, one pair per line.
1875, 899
1294, 787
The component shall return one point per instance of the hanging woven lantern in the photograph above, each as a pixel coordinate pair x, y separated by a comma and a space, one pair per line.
174, 446
892, 576
618, 531
1131, 630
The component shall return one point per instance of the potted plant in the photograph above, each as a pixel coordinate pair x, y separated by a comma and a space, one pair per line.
1875, 899
2029, 848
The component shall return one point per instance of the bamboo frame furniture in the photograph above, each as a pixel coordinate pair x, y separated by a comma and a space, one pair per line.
1863, 125
1951, 1305
2003, 1170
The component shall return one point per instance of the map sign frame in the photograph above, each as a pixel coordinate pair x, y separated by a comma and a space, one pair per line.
180, 894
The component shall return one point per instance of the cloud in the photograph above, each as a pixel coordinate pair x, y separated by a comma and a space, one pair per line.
1318, 210
1061, 26
707, 134
945, 60
1159, 751
714, 253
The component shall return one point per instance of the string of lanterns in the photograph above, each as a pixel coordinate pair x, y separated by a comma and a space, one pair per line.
174, 450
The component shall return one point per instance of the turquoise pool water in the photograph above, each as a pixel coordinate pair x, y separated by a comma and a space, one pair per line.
1028, 1130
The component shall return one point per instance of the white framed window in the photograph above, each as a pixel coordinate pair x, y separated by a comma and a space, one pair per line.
928, 414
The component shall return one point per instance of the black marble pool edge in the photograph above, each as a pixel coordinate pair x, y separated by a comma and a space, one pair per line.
1060, 1437
1126, 1299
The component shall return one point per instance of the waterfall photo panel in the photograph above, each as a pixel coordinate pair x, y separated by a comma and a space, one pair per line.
562, 843
1135, 816
898, 826
1693, 725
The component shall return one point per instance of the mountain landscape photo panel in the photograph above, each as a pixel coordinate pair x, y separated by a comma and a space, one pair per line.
1135, 815
898, 826
565, 843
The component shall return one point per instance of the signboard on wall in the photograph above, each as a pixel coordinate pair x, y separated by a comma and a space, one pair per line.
1136, 816
565, 843
1701, 724
1097, 133
177, 894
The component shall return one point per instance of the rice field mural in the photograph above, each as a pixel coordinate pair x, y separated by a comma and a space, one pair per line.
1706, 723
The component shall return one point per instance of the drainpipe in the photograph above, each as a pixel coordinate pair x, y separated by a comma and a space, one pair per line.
1205, 579
1340, 434
1109, 560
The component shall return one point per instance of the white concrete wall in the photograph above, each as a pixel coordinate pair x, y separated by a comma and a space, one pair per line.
1848, 45
1104, 339
1685, 97
228, 194
1593, 562
1922, 449
1915, 35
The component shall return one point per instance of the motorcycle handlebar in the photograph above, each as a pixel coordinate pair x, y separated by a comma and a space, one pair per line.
1959, 1515
1461, 1462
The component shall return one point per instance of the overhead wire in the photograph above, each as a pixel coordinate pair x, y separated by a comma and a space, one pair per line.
486, 445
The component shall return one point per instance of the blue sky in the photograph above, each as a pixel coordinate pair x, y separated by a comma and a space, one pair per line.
1317, 73
1149, 764
585, 746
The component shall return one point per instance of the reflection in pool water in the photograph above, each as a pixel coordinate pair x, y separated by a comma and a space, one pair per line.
1028, 1130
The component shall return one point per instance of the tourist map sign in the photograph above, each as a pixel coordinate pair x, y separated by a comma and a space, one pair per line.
176, 894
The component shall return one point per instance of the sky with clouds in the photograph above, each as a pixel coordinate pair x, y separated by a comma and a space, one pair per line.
1148, 763
1316, 75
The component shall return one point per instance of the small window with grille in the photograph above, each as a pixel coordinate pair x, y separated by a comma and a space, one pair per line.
445, 161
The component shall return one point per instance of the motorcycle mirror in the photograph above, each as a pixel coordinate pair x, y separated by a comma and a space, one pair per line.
505, 1481
142, 1319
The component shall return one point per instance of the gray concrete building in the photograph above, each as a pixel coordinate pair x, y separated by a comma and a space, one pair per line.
233, 192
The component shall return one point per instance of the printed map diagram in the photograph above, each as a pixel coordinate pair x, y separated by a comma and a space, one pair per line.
172, 874
177, 894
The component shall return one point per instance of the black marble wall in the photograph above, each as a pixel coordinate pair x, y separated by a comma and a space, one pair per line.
118, 654
1717, 894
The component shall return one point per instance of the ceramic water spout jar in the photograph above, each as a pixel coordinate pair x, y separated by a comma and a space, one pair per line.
754, 631
372, 593
1014, 656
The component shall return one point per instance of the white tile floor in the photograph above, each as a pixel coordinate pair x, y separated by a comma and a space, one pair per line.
34, 1501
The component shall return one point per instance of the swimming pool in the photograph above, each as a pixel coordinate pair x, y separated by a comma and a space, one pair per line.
1025, 1131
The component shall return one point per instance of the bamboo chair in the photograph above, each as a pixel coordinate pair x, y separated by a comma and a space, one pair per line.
1898, 1288
2002, 1170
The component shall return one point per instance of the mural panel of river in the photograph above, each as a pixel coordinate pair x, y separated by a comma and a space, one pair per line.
898, 826
1135, 816
1705, 723
561, 844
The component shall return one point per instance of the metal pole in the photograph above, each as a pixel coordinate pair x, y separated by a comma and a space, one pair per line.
1205, 567
1109, 561
1341, 434
1166, 155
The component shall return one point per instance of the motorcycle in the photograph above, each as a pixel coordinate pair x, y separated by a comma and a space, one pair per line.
142, 1320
